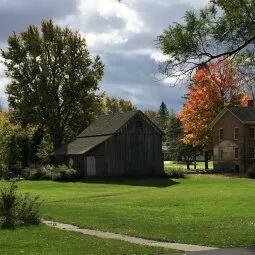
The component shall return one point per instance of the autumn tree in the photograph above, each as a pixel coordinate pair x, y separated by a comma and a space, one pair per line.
111, 105
222, 29
53, 80
214, 86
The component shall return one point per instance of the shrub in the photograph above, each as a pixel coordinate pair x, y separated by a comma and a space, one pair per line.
17, 209
251, 171
3, 171
28, 209
175, 172
8, 203
63, 173
48, 172
31, 173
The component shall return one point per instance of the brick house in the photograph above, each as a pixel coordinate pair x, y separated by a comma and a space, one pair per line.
234, 139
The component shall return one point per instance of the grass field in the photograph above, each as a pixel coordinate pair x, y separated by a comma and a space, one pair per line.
49, 241
200, 165
206, 210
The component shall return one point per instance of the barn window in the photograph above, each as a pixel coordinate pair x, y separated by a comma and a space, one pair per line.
139, 124
221, 134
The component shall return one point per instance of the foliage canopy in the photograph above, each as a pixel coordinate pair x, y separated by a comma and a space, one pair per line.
223, 29
214, 87
53, 80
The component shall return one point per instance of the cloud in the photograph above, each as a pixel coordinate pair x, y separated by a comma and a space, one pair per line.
17, 15
122, 34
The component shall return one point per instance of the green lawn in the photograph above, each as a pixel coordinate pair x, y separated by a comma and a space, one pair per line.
206, 210
49, 241
200, 165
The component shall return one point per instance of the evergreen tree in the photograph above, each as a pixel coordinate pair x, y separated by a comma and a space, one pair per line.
163, 116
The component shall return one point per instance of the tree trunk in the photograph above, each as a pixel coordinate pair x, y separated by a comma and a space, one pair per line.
56, 138
206, 160
188, 168
195, 159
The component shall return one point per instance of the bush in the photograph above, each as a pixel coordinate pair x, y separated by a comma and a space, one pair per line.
31, 173
3, 171
8, 203
17, 209
28, 210
48, 172
175, 172
251, 171
63, 173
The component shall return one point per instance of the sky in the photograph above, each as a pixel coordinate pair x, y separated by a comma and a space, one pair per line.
122, 34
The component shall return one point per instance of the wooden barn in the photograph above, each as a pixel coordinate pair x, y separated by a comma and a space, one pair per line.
122, 144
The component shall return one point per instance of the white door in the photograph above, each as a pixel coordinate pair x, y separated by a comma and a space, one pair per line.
91, 166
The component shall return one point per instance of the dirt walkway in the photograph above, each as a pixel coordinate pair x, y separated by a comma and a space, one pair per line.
130, 239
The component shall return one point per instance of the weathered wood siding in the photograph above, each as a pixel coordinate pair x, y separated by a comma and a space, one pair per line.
133, 150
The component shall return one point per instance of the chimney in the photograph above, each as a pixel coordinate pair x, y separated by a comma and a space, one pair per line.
251, 103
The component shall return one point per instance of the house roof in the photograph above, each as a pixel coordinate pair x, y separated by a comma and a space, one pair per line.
81, 145
246, 115
107, 124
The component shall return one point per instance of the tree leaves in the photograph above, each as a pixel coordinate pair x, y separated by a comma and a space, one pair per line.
222, 29
214, 86
53, 80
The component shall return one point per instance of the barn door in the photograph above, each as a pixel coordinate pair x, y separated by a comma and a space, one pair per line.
91, 166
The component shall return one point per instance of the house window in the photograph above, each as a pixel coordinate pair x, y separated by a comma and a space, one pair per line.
139, 124
236, 133
252, 133
221, 134
236, 153
221, 155
252, 152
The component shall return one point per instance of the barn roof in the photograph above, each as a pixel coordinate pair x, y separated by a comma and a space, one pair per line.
107, 124
81, 145
99, 131
246, 115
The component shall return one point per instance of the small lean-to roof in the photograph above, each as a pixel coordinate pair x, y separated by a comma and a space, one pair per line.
107, 124
245, 115
81, 145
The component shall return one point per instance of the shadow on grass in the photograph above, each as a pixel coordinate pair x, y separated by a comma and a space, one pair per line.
159, 182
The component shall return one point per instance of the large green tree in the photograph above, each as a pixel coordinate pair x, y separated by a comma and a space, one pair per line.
53, 80
223, 29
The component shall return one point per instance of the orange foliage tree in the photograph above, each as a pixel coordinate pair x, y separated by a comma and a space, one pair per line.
214, 86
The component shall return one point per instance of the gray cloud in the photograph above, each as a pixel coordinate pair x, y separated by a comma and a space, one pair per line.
17, 15
130, 70
134, 77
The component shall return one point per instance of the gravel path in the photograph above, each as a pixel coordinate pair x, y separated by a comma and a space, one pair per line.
130, 239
